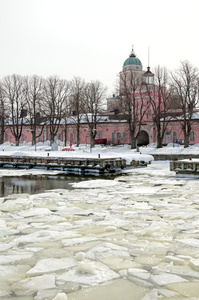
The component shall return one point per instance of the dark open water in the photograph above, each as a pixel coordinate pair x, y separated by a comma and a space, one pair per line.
34, 184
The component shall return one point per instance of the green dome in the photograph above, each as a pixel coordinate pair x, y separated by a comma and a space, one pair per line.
132, 60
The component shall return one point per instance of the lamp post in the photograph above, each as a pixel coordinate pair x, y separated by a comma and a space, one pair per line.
34, 132
91, 138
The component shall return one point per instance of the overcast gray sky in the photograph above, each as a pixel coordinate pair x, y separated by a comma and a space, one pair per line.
91, 39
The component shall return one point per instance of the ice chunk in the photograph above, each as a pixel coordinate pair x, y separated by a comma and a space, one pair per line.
31, 285
80, 256
174, 260
13, 273
12, 258
93, 275
194, 263
86, 268
140, 273
61, 296
93, 184
47, 265
117, 263
4, 290
45, 236
34, 212
106, 250
167, 293
4, 246
45, 294
148, 260
186, 289
191, 242
3, 224
76, 241
166, 278
117, 289
152, 295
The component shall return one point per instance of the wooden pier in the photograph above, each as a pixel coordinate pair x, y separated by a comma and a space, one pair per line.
185, 167
73, 165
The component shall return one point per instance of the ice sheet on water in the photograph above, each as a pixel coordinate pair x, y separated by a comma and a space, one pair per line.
76, 241
48, 265
73, 210
115, 289
34, 212
45, 236
152, 295
166, 278
194, 263
12, 258
31, 285
185, 289
13, 273
105, 250
140, 273
92, 184
191, 242
89, 273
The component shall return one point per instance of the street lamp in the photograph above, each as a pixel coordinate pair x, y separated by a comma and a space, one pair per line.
34, 131
91, 138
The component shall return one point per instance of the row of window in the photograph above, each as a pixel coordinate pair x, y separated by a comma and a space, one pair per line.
175, 137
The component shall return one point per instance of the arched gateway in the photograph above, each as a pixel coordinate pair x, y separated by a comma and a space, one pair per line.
142, 138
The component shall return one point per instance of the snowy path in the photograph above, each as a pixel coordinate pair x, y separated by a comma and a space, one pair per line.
135, 237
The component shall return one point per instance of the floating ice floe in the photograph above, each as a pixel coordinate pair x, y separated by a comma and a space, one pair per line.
191, 242
48, 265
45, 236
61, 296
194, 263
92, 184
89, 273
31, 285
34, 212
166, 278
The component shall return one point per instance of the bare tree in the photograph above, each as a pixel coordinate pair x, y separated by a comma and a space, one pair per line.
132, 104
93, 106
3, 114
159, 95
15, 95
34, 86
77, 87
185, 86
56, 93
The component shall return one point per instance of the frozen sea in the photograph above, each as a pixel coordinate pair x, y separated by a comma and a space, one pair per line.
131, 237
135, 236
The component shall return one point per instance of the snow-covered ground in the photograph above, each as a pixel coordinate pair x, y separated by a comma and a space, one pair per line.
142, 153
133, 237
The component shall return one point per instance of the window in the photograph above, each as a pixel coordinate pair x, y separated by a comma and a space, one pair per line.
99, 134
22, 137
59, 136
124, 136
113, 136
192, 136
71, 137
6, 137
174, 137
168, 138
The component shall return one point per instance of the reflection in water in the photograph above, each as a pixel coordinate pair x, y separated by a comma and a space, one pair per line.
33, 184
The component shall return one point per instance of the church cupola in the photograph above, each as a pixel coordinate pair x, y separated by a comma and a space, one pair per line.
132, 62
